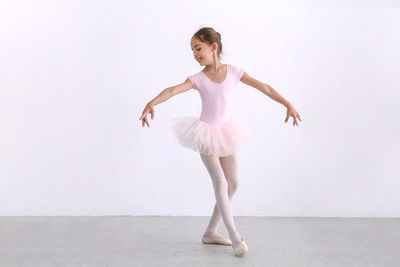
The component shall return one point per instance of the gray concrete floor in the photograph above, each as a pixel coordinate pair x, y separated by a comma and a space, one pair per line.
175, 241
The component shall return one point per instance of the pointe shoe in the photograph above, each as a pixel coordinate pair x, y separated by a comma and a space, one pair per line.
241, 248
216, 240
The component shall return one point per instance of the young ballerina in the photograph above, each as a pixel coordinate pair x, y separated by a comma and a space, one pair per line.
217, 134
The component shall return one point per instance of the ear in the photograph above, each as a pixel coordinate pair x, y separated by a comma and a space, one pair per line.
215, 46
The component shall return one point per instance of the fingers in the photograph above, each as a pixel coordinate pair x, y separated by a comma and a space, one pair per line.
146, 111
294, 114
298, 116
145, 121
294, 120
144, 117
144, 114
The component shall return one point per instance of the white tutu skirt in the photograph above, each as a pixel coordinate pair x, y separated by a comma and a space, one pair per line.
211, 139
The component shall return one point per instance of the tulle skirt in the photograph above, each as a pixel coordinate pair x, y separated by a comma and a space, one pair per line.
218, 140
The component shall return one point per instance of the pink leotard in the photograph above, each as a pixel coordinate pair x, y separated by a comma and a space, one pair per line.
216, 98
217, 132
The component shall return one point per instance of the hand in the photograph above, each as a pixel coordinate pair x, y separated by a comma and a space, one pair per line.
292, 112
147, 109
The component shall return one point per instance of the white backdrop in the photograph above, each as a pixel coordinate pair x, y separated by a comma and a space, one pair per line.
76, 75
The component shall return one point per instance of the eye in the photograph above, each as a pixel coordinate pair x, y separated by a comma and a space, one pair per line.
198, 49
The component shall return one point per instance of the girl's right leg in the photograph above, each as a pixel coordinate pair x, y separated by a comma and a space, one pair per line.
220, 185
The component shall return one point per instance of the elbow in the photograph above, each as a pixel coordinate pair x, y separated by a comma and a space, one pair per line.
267, 89
171, 91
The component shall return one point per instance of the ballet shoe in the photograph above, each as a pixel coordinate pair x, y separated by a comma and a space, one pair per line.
241, 248
216, 240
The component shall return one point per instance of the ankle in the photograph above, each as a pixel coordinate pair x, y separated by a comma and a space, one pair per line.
210, 233
236, 240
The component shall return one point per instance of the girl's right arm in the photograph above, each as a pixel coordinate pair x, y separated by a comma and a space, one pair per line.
163, 96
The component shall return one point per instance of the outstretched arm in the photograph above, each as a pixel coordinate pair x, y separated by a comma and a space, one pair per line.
163, 96
272, 93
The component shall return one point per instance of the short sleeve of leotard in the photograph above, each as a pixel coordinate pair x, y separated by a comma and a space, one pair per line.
195, 80
237, 73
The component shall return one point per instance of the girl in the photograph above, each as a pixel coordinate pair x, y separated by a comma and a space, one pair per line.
217, 135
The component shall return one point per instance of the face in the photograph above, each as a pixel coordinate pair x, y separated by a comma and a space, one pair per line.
202, 52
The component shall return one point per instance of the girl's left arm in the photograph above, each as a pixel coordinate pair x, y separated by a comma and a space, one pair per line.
272, 93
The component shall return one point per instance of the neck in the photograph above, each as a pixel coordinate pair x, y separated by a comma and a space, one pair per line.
215, 66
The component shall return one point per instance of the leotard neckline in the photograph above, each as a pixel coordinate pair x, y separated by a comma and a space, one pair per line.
226, 76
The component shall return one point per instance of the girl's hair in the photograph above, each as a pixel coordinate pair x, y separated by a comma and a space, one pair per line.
209, 35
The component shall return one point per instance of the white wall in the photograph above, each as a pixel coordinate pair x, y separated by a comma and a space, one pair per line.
75, 76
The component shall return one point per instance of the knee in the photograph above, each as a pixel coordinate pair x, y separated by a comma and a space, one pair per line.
220, 181
233, 185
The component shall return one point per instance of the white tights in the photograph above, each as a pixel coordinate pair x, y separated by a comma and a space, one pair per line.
224, 176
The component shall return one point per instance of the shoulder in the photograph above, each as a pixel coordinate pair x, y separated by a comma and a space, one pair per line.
195, 79
196, 76
236, 70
